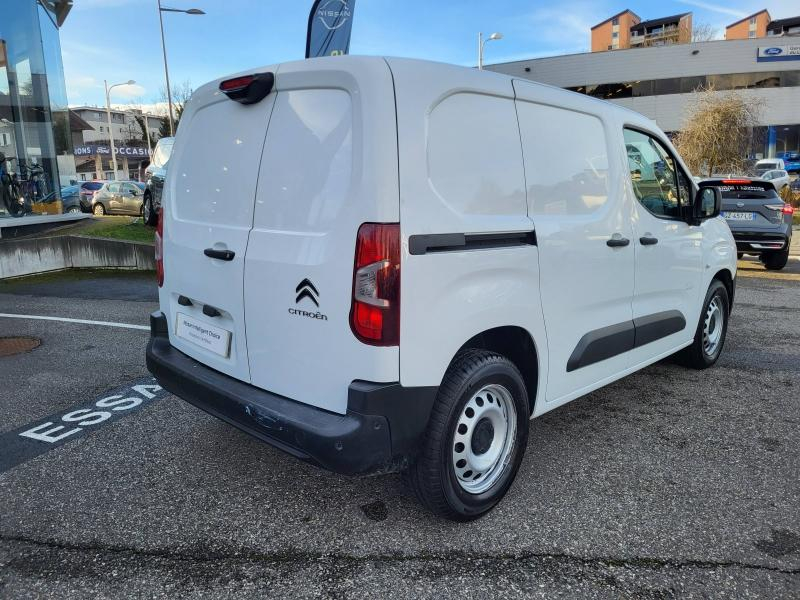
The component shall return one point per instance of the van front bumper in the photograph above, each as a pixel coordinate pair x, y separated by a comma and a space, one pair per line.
379, 432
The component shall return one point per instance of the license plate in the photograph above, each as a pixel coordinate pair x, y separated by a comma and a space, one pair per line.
739, 216
212, 338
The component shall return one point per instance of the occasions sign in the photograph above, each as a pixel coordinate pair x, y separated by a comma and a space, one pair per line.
94, 149
778, 53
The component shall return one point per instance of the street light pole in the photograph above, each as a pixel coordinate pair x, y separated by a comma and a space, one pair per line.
481, 43
110, 127
161, 9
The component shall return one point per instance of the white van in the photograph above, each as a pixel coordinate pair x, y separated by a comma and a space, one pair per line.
769, 164
387, 264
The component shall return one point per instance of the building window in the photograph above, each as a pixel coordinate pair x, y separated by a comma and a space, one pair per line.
751, 34
101, 129
615, 21
615, 34
752, 20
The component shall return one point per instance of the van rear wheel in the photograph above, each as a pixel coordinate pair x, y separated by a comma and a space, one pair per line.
476, 437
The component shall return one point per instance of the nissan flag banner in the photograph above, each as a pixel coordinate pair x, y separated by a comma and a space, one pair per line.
329, 25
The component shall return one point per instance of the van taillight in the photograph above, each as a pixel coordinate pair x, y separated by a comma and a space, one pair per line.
375, 314
159, 243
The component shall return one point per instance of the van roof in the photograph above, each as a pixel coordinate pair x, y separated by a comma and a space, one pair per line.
450, 74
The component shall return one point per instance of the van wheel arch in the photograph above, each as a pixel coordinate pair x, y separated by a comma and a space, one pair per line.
724, 275
518, 346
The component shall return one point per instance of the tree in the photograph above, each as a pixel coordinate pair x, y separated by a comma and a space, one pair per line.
704, 32
717, 132
180, 96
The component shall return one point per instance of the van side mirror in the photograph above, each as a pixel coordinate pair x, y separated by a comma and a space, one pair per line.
707, 203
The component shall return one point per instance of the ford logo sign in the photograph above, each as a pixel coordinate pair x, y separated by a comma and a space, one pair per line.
773, 51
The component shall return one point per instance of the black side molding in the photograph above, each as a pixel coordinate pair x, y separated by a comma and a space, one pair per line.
449, 242
614, 340
657, 326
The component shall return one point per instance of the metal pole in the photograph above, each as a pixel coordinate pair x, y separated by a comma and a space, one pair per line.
166, 72
480, 50
111, 130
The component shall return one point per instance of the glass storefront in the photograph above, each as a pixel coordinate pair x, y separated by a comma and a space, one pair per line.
34, 118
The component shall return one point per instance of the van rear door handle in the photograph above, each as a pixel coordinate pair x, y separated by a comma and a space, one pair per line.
646, 240
219, 254
617, 242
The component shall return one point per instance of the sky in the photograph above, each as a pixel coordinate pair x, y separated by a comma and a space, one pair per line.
119, 40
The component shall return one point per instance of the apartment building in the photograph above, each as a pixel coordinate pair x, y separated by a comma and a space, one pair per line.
615, 32
627, 30
753, 26
92, 144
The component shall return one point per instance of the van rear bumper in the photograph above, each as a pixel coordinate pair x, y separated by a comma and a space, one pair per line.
378, 434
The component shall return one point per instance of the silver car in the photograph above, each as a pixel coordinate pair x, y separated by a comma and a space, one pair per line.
118, 198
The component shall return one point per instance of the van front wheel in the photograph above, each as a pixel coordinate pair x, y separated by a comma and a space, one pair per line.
476, 437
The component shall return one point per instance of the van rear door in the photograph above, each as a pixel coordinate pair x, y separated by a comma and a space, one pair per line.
210, 194
329, 165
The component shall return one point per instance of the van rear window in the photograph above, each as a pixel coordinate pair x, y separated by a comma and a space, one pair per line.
745, 191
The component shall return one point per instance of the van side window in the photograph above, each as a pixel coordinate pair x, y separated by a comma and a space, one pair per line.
474, 159
563, 177
654, 175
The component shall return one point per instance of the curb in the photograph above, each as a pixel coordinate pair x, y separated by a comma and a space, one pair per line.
40, 255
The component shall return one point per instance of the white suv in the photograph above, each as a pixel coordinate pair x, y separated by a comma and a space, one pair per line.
388, 264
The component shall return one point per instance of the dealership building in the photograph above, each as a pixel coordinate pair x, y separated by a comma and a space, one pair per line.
658, 81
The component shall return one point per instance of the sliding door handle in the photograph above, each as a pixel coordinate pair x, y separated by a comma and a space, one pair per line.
617, 242
219, 254
647, 240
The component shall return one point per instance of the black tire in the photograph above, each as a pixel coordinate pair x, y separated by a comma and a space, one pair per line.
696, 356
98, 210
775, 261
432, 476
149, 216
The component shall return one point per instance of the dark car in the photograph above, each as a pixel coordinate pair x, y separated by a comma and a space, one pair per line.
118, 198
760, 221
88, 188
70, 200
155, 174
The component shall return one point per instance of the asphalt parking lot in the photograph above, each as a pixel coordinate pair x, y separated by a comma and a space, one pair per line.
668, 483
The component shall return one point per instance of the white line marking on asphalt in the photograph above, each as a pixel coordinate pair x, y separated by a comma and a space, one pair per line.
81, 321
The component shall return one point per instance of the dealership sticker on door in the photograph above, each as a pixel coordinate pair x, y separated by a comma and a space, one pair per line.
212, 338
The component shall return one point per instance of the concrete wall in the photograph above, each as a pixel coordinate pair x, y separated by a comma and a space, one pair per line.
39, 255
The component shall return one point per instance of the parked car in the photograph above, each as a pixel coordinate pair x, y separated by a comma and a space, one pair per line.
791, 161
413, 259
87, 190
118, 198
69, 198
154, 174
780, 179
760, 221
768, 164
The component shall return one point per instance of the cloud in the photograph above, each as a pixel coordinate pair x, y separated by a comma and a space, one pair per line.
720, 8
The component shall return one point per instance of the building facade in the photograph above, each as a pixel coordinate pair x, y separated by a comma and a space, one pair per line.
752, 26
92, 144
627, 30
660, 82
34, 118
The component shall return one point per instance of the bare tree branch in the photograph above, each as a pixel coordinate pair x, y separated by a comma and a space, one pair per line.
718, 131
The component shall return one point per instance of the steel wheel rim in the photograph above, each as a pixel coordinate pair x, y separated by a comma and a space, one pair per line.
713, 325
98, 210
146, 210
478, 467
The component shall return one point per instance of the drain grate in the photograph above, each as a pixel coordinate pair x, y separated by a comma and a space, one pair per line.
17, 345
